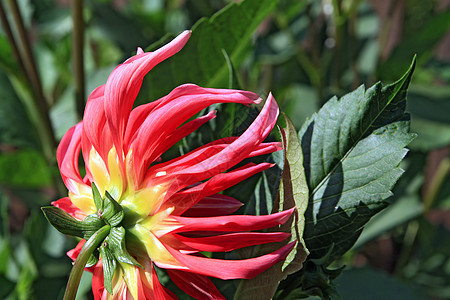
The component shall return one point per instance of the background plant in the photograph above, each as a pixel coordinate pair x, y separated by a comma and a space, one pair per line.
305, 52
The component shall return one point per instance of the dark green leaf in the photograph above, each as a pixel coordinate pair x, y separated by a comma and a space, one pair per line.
352, 149
6, 286
109, 266
202, 61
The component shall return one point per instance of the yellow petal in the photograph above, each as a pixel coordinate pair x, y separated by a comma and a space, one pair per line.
115, 186
155, 249
82, 198
99, 171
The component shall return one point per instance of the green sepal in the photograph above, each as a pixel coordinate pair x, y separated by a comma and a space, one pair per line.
109, 265
112, 211
93, 259
92, 223
116, 243
97, 197
65, 223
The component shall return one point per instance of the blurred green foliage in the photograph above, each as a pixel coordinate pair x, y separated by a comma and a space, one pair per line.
304, 52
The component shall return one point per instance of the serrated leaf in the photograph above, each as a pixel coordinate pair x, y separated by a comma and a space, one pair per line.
67, 224
109, 266
116, 243
112, 211
293, 193
352, 148
202, 61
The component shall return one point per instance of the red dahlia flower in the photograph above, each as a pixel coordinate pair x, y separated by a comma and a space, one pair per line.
172, 210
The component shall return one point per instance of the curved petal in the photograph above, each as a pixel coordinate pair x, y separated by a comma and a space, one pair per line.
125, 81
176, 108
73, 254
230, 155
232, 223
180, 133
67, 156
184, 200
214, 205
95, 128
67, 205
160, 292
231, 269
232, 241
197, 286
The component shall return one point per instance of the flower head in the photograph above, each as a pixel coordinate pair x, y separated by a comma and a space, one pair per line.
172, 211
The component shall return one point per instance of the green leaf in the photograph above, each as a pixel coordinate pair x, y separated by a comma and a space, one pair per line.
116, 242
24, 168
352, 149
6, 286
112, 211
67, 224
202, 61
293, 193
109, 266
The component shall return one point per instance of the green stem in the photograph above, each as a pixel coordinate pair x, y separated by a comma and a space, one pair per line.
78, 59
436, 183
38, 108
12, 41
77, 270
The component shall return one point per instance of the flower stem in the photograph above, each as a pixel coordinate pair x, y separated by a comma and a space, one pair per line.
77, 270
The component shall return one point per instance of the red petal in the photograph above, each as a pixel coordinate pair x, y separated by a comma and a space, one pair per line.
125, 81
175, 109
137, 116
231, 269
96, 130
67, 156
232, 241
187, 198
98, 283
197, 286
214, 205
73, 254
159, 292
232, 223
180, 133
229, 156
67, 205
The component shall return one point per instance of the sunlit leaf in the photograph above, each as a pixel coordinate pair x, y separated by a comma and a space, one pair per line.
352, 149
